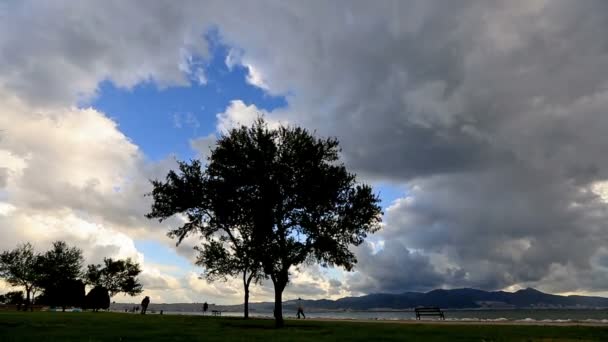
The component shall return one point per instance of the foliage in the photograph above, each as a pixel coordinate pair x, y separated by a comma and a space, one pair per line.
117, 276
13, 297
98, 298
286, 194
60, 263
19, 267
68, 293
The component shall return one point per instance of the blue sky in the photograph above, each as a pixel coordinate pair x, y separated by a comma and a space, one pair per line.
161, 121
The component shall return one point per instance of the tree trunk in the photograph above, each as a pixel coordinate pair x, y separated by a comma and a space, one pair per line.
246, 302
246, 283
278, 304
27, 298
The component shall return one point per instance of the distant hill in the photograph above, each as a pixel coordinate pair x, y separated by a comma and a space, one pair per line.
460, 299
447, 299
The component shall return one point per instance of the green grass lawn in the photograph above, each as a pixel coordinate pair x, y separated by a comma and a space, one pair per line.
57, 326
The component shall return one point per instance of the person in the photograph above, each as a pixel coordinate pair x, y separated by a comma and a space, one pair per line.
144, 305
300, 309
205, 308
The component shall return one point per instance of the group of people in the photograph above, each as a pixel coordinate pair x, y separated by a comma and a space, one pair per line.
146, 301
142, 308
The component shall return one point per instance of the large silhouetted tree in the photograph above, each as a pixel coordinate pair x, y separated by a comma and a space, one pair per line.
285, 188
19, 267
117, 276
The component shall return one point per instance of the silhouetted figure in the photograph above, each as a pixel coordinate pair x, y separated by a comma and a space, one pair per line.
300, 309
144, 305
205, 308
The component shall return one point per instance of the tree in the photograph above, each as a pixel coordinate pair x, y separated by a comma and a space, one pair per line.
285, 188
58, 269
97, 298
116, 276
19, 267
226, 249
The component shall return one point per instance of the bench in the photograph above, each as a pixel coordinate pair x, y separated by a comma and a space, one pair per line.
216, 313
429, 311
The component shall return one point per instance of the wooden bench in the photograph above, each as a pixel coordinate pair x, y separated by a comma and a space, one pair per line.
429, 311
216, 313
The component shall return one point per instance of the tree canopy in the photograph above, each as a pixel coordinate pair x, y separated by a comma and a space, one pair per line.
116, 276
285, 189
59, 264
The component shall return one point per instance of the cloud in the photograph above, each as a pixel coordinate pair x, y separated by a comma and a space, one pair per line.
491, 114
238, 114
65, 49
203, 145
50, 191
181, 120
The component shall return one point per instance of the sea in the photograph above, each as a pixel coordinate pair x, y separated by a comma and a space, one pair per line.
485, 315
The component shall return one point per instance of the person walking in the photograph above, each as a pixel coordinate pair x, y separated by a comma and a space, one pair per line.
300, 309
144, 305
205, 308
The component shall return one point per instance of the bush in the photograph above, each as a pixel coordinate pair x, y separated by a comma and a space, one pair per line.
98, 298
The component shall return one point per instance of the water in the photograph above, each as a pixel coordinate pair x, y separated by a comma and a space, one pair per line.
513, 315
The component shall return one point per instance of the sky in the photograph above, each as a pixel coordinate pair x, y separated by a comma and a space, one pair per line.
480, 124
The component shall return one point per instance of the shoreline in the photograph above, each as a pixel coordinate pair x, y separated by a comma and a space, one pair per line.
461, 322
508, 322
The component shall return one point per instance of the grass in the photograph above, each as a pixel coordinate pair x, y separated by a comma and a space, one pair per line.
57, 326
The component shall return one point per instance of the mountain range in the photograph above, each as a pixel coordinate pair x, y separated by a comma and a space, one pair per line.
448, 299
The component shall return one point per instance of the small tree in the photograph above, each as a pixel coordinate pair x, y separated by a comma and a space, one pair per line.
19, 267
116, 276
59, 268
286, 189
